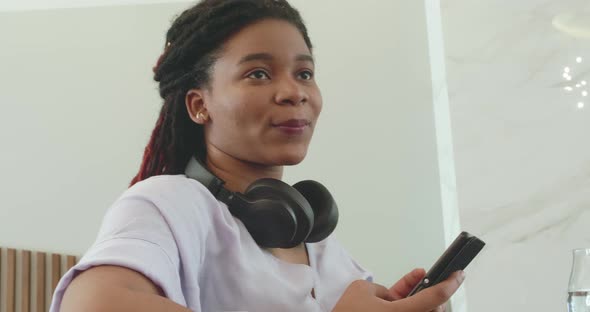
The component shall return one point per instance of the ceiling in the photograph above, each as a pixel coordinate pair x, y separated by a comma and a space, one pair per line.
22, 5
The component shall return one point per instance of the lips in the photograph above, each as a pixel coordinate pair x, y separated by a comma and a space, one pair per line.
293, 123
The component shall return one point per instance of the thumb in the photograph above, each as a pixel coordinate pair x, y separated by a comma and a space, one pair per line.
381, 292
402, 288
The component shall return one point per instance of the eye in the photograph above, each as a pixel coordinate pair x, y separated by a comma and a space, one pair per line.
306, 75
258, 75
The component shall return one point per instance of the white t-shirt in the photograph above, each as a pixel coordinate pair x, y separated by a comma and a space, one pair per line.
174, 231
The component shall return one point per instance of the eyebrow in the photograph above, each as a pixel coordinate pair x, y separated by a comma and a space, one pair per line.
268, 57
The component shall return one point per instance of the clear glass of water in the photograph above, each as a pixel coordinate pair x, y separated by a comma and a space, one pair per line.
579, 285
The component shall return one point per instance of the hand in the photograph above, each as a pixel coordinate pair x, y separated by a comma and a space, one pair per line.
404, 286
366, 296
362, 295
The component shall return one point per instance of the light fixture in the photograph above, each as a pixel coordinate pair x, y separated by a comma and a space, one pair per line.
575, 23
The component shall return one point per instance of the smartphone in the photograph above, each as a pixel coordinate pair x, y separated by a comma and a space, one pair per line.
459, 254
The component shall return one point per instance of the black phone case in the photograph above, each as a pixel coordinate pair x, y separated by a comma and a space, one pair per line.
459, 254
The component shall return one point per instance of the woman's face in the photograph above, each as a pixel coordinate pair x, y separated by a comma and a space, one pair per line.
263, 102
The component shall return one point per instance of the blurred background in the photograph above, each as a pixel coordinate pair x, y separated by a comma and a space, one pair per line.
518, 76
439, 116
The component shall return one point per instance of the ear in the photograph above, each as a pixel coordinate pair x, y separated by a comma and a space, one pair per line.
195, 106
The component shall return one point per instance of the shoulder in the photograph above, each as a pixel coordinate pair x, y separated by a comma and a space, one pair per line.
173, 192
164, 186
184, 205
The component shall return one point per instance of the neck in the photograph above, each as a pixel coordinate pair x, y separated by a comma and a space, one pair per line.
239, 174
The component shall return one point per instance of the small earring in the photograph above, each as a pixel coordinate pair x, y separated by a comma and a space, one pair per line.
201, 116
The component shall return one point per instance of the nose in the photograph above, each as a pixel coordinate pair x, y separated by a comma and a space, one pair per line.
290, 92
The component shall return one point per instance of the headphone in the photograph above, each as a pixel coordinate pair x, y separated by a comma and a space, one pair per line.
275, 214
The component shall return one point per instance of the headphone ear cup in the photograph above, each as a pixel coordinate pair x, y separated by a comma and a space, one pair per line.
324, 208
269, 224
284, 197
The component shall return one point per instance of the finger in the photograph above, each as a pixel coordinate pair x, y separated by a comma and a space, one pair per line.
402, 288
432, 297
439, 309
381, 292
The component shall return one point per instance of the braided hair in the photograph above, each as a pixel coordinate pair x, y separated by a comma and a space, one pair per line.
193, 44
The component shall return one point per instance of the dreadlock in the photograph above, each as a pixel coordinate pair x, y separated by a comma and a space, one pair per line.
193, 43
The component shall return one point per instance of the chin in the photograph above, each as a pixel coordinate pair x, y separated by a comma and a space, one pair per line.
291, 162
290, 159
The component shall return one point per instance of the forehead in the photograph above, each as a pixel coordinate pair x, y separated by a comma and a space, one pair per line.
276, 37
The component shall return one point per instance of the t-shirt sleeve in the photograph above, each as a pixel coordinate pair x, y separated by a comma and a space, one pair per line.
363, 273
135, 235
337, 270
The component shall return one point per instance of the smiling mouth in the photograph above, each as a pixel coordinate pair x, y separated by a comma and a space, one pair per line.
293, 127
293, 123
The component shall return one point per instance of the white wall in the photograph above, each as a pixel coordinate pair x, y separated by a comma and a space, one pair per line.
78, 105
523, 161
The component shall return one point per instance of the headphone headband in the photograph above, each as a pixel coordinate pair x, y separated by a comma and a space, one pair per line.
197, 170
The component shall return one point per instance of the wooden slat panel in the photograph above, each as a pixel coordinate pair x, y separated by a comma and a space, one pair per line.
70, 262
40, 291
55, 271
43, 279
25, 280
10, 280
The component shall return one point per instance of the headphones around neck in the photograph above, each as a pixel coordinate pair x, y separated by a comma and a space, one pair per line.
276, 214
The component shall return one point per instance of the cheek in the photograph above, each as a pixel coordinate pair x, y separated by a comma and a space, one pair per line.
240, 109
248, 107
225, 104
318, 102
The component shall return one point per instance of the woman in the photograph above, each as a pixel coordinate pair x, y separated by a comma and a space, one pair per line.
240, 102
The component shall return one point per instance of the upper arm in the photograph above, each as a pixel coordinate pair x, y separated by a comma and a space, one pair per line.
116, 276
135, 253
90, 287
114, 289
